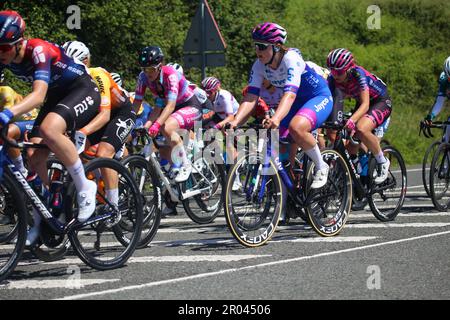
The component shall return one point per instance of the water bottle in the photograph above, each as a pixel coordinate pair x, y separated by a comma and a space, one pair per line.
364, 164
56, 186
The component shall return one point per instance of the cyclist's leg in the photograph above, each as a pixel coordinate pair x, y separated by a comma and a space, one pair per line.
181, 119
71, 111
377, 114
310, 116
115, 135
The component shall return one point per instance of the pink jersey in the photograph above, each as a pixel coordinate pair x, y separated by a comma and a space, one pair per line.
171, 86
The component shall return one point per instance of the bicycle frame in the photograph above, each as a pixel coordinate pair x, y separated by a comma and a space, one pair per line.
149, 154
56, 226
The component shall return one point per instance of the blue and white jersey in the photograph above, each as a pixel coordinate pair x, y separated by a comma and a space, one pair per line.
292, 75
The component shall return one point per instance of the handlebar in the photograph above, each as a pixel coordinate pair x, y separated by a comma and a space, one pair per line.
426, 128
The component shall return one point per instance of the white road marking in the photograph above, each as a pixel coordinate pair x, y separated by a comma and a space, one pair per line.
397, 225
147, 259
54, 283
225, 271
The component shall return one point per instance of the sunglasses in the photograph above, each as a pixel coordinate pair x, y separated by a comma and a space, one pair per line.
261, 46
6, 48
151, 69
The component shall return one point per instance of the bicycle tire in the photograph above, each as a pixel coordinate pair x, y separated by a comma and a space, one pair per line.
398, 182
255, 234
429, 153
19, 230
134, 200
335, 196
440, 167
206, 212
152, 206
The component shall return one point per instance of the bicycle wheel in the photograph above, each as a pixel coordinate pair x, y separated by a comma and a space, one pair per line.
328, 208
440, 177
102, 243
207, 179
50, 246
426, 163
386, 199
13, 225
252, 214
150, 189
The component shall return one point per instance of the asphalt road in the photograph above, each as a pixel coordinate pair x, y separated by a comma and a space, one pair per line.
405, 259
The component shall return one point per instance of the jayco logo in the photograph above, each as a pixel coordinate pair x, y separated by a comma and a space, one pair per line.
322, 105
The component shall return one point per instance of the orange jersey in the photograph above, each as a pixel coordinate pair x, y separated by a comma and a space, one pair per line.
112, 96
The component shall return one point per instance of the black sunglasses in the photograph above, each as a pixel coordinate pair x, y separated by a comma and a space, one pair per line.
261, 46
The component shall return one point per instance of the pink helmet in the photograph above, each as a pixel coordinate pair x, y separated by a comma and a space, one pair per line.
340, 59
269, 32
210, 84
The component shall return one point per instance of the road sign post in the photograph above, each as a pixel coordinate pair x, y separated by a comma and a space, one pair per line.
204, 45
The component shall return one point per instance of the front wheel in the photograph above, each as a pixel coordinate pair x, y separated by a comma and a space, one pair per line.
386, 199
100, 241
328, 208
252, 213
426, 164
440, 178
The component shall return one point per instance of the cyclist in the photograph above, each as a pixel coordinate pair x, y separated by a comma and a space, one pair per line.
199, 93
18, 129
178, 107
373, 104
70, 99
306, 101
442, 96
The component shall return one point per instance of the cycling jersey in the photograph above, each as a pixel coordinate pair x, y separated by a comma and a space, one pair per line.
271, 96
323, 72
444, 86
47, 62
224, 104
171, 86
112, 95
8, 98
359, 79
292, 75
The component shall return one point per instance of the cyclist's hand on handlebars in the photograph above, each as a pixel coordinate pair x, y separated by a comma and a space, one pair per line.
271, 123
429, 119
154, 129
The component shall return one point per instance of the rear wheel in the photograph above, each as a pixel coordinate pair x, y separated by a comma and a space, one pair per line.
328, 208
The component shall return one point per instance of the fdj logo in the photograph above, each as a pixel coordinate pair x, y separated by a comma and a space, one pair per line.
83, 106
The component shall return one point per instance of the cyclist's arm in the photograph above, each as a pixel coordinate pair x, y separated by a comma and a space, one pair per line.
153, 116
438, 104
100, 120
363, 107
34, 100
285, 105
167, 111
246, 107
229, 118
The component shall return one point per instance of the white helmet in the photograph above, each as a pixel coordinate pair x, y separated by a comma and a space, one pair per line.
177, 67
76, 49
117, 78
447, 67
